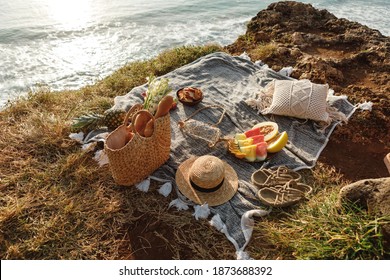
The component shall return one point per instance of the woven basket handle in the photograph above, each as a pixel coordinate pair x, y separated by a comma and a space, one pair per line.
146, 112
132, 110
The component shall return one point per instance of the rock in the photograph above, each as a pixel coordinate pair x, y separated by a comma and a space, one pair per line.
319, 70
387, 161
262, 37
297, 38
305, 75
295, 52
370, 194
283, 51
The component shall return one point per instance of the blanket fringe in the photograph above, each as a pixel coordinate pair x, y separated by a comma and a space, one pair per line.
101, 158
77, 137
165, 189
247, 224
217, 222
365, 106
334, 115
179, 204
144, 185
263, 99
201, 211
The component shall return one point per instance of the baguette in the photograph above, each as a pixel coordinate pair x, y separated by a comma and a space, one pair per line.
140, 123
149, 128
164, 106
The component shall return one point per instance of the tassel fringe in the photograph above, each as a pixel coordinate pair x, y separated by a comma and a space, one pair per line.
263, 99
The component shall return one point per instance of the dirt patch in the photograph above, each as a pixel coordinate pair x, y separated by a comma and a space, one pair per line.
156, 232
356, 161
150, 239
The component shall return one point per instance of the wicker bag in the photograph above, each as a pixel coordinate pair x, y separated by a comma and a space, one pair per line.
133, 161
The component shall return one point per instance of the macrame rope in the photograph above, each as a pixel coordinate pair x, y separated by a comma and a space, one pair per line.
207, 107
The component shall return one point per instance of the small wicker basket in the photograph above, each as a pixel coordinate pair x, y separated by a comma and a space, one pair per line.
133, 161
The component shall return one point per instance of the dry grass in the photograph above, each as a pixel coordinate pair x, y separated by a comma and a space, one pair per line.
262, 51
56, 203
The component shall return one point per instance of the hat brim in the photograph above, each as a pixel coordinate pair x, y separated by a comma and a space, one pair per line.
218, 197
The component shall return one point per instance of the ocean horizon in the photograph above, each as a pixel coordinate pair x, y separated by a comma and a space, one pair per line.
73, 43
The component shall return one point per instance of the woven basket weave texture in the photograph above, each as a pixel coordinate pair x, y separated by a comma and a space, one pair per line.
141, 156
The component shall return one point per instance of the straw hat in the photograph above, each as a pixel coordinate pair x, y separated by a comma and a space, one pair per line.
207, 179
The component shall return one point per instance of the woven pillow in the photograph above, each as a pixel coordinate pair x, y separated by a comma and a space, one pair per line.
301, 99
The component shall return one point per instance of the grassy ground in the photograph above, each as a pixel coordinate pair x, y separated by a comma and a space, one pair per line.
56, 203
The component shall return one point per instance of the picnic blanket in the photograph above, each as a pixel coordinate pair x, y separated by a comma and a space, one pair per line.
229, 81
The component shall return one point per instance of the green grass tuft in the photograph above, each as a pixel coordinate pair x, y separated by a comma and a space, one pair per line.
321, 231
135, 73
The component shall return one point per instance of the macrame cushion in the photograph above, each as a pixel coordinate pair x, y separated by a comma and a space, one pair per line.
301, 99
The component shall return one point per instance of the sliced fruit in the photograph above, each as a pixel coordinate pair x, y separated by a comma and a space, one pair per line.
268, 129
250, 152
246, 142
278, 143
257, 138
261, 151
252, 132
240, 136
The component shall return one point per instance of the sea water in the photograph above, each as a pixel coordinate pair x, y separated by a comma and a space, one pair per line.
66, 44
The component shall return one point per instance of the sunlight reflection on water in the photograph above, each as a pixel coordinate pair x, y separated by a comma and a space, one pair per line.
70, 43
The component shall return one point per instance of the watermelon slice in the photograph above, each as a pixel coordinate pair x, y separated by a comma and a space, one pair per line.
261, 151
257, 139
252, 132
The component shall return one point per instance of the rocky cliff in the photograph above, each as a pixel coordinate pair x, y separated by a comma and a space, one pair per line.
352, 58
